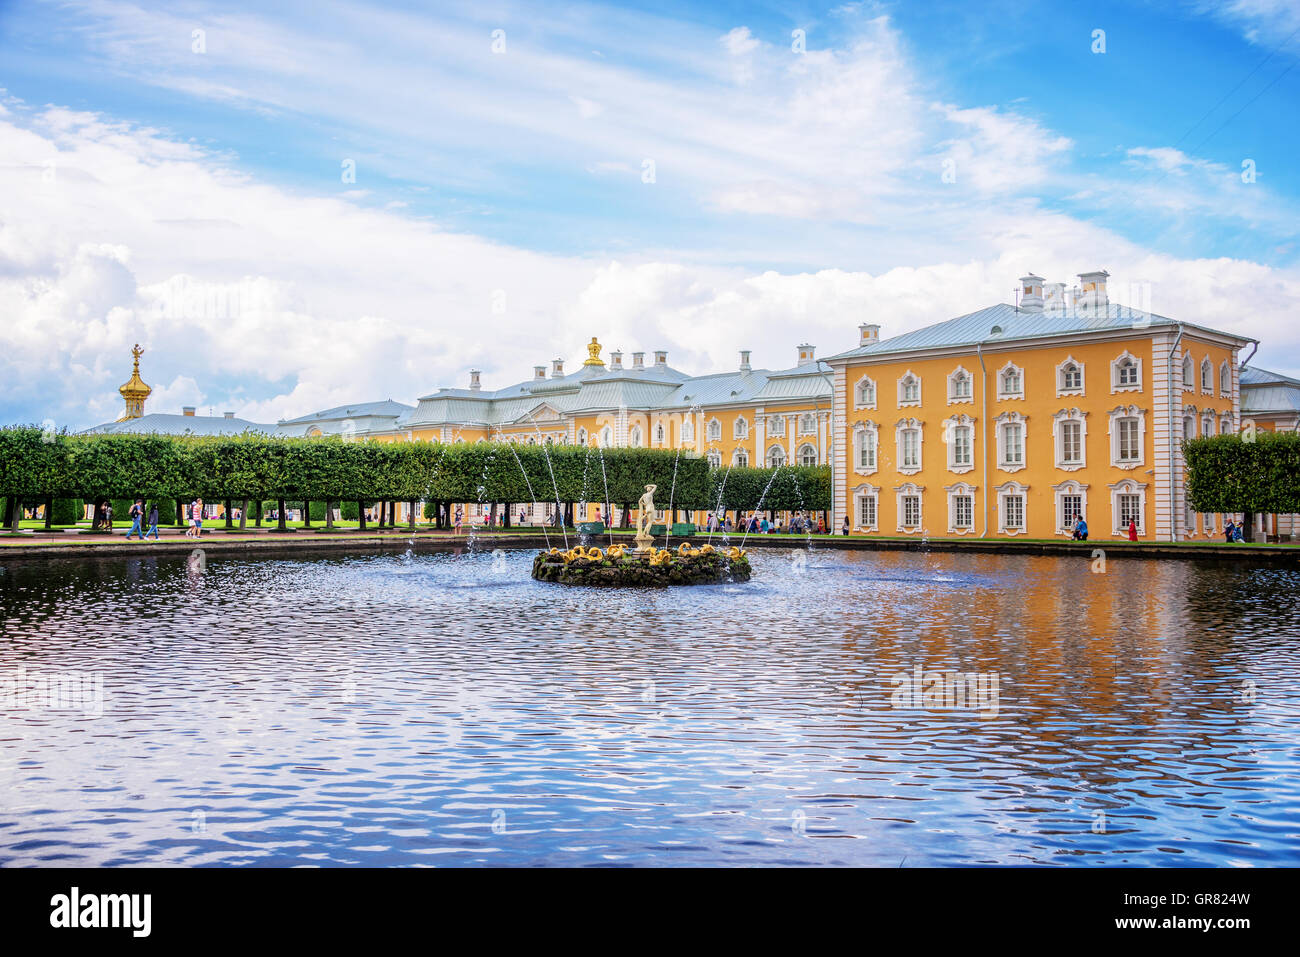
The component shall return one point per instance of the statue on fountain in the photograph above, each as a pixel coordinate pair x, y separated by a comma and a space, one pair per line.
645, 515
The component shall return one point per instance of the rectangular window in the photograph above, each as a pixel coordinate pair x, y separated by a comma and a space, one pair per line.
963, 511
1071, 510
961, 445
911, 511
867, 451
910, 454
1130, 510
1071, 443
1013, 511
1013, 444
867, 511
1129, 450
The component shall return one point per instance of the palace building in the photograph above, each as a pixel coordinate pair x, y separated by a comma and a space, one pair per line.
1011, 421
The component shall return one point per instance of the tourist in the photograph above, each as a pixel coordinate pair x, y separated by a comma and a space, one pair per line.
763, 525
1132, 530
821, 525
460, 518
137, 516
1080, 530
108, 515
153, 522
1229, 530
196, 518
1237, 535
846, 526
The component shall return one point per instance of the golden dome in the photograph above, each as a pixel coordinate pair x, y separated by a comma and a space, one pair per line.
593, 352
135, 391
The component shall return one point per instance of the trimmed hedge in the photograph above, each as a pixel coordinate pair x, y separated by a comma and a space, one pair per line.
1250, 472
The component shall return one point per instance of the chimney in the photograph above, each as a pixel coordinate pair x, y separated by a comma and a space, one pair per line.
1092, 292
616, 360
474, 384
187, 410
1031, 293
744, 360
1054, 296
539, 372
228, 415
806, 353
638, 360
870, 332
557, 368
661, 359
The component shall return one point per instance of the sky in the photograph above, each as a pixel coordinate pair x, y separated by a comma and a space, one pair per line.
302, 205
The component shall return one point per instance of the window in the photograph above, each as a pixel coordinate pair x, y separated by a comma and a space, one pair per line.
909, 390
634, 437
1127, 430
959, 385
740, 428
961, 507
1225, 379
865, 438
1013, 443
776, 425
808, 455
582, 436
961, 445
740, 459
1188, 381
911, 511
1130, 510
1225, 425
808, 424
865, 394
714, 432
1071, 510
1207, 424
1014, 511
1207, 375
1129, 449
607, 438
867, 511
1069, 378
688, 429
1072, 443
775, 457
909, 449
1126, 374
715, 458
1128, 503
659, 434
1189, 427
1011, 382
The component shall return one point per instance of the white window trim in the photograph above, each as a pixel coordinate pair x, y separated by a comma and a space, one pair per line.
1208, 422
713, 430
634, 437
582, 436
1060, 370
775, 447
900, 492
1122, 412
798, 454
688, 429
715, 458
961, 488
735, 458
1225, 424
857, 393
899, 427
776, 425
740, 428
1224, 367
1005, 490
1127, 487
1070, 487
949, 427
859, 493
799, 420
1188, 366
1002, 393
903, 378
1074, 414
861, 430
1114, 373
963, 400
1207, 366
1007, 418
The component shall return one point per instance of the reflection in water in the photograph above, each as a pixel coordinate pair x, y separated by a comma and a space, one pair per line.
446, 709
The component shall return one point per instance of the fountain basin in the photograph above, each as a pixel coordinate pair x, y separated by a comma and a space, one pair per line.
655, 568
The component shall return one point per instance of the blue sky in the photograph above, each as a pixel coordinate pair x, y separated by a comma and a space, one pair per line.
501, 212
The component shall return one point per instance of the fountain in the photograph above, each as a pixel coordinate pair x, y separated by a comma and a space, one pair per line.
644, 566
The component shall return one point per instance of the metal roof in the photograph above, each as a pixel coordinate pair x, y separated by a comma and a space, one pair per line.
384, 407
165, 423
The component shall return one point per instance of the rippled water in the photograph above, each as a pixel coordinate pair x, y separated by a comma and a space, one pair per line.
445, 709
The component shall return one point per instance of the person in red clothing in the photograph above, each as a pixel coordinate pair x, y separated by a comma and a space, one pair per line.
1132, 530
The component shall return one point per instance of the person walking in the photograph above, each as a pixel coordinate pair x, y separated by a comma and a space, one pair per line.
137, 516
153, 522
846, 526
1229, 530
108, 515
460, 518
196, 517
1132, 530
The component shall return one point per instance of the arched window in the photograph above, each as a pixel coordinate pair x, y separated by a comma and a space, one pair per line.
775, 457
634, 437
607, 438
740, 428
808, 455
582, 436
715, 458
959, 385
909, 390
1126, 374
714, 432
807, 424
1069, 377
740, 459
1011, 382
776, 425
688, 429
1207, 375
865, 393
1225, 378
659, 434
1188, 381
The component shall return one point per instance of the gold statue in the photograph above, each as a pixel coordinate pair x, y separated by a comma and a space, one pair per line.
645, 515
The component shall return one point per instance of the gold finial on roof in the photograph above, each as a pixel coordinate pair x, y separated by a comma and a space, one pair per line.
135, 391
593, 351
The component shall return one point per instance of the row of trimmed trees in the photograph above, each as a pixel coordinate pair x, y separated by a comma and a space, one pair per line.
1252, 473
39, 466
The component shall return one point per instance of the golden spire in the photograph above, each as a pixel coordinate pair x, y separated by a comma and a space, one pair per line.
135, 391
593, 351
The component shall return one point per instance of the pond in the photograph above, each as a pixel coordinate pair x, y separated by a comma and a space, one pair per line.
855, 708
